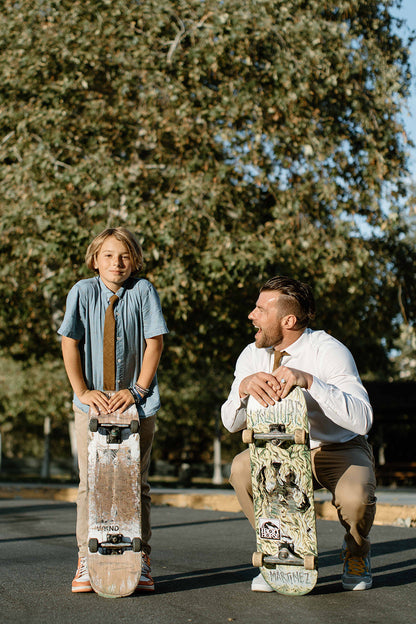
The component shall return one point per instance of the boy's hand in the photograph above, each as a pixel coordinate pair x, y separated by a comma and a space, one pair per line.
121, 400
96, 399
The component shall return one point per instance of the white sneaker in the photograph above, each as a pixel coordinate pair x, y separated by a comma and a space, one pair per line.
260, 585
81, 581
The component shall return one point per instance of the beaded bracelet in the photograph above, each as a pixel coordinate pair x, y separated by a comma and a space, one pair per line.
138, 393
142, 391
135, 394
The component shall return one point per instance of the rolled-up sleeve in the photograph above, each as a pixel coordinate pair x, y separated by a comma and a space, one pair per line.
339, 392
234, 410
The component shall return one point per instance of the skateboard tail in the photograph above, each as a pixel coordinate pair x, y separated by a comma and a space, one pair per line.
117, 580
291, 580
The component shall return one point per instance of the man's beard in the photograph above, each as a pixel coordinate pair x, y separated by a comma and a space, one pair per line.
268, 339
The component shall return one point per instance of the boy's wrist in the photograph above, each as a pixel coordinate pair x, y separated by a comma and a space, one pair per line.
142, 391
138, 392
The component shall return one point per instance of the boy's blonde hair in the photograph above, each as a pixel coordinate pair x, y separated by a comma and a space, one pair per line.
123, 235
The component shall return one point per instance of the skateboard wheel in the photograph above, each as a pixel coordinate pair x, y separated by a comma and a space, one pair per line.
248, 436
93, 545
300, 436
134, 426
136, 544
93, 425
257, 559
309, 562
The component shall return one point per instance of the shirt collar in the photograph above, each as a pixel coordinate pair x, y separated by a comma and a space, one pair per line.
296, 346
107, 293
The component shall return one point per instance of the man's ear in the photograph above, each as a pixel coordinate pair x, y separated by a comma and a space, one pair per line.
289, 321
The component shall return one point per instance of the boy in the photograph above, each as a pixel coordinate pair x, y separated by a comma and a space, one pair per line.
116, 257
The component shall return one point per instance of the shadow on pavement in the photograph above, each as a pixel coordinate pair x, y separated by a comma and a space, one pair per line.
198, 579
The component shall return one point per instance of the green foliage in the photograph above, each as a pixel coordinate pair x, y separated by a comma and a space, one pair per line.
28, 394
239, 139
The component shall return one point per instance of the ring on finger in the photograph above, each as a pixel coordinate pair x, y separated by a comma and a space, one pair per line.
283, 381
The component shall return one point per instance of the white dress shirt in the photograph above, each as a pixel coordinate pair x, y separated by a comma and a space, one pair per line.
338, 405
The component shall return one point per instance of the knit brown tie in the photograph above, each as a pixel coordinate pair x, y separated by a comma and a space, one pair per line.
109, 346
278, 355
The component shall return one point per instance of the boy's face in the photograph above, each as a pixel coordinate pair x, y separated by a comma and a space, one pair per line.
113, 262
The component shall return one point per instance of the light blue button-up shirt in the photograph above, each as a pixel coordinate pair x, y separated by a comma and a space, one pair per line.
138, 315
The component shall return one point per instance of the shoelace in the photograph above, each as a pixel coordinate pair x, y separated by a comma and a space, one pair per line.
82, 566
356, 565
145, 564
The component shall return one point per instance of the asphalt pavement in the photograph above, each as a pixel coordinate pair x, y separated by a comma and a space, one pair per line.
201, 564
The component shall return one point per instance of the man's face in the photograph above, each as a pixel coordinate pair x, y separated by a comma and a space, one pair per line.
266, 318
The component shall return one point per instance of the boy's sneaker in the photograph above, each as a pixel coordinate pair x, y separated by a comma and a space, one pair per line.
260, 585
81, 582
146, 582
357, 571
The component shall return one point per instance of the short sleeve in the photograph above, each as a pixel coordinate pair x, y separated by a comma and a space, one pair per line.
72, 325
153, 321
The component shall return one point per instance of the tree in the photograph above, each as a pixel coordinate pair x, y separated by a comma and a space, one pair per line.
239, 139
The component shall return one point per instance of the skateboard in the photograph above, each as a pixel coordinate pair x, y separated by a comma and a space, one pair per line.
114, 512
278, 438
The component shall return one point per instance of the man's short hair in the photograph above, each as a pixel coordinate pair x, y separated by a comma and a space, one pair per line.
297, 298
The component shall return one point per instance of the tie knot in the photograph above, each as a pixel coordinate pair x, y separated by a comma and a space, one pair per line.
113, 299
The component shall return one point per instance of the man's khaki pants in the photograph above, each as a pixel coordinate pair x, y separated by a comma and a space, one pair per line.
346, 470
147, 428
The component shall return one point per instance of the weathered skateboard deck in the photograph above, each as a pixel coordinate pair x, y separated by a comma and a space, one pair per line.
114, 514
283, 494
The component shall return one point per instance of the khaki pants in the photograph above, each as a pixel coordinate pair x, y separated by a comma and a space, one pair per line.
346, 470
147, 428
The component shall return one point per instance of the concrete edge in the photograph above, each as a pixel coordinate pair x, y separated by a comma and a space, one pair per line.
386, 514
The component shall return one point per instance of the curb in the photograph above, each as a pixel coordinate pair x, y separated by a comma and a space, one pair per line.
386, 514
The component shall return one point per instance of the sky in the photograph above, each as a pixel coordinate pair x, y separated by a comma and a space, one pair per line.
408, 12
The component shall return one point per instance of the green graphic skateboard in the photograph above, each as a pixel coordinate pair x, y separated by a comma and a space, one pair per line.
114, 513
283, 494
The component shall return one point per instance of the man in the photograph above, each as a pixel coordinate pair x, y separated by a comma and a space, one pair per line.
287, 353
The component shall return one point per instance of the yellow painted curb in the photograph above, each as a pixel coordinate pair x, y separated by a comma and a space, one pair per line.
403, 515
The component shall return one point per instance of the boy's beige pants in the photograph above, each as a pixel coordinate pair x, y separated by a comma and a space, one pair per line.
346, 470
147, 428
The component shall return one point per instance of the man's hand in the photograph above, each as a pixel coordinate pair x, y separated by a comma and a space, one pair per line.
268, 388
289, 377
261, 386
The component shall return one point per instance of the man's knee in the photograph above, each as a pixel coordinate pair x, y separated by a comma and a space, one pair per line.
240, 469
355, 496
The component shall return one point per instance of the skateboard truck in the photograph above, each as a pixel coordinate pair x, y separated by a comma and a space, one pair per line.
113, 432
114, 544
113, 435
285, 556
276, 435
